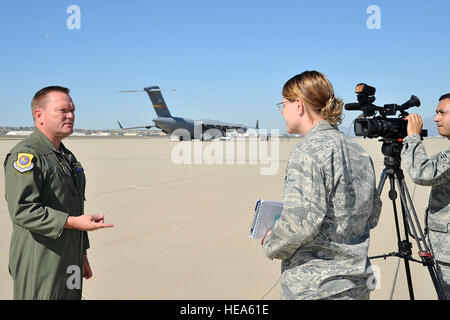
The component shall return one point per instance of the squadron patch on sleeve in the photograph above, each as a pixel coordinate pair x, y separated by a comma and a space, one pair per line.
24, 162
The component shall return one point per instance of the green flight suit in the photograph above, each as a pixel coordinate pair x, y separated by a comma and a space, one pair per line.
43, 187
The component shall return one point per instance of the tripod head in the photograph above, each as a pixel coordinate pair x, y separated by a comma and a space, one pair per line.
391, 149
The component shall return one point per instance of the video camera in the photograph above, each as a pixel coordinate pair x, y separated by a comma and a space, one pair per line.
380, 126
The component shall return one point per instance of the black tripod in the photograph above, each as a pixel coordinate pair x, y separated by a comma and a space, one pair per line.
391, 149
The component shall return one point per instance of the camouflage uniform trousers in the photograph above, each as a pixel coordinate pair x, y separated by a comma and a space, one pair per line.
439, 244
443, 272
359, 293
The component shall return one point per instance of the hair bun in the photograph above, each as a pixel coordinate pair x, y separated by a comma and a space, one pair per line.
332, 111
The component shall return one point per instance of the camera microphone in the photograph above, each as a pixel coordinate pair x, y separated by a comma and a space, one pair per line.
352, 106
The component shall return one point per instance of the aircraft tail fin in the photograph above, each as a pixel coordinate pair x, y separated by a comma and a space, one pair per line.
257, 124
158, 102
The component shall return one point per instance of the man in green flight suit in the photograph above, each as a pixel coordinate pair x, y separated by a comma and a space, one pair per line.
44, 189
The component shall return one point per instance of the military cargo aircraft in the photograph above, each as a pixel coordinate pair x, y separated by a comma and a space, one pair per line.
183, 128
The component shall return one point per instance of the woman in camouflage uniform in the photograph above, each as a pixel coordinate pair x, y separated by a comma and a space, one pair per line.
330, 200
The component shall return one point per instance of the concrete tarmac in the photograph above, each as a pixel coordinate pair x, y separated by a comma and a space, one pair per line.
181, 230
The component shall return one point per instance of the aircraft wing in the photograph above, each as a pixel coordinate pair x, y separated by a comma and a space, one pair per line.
141, 127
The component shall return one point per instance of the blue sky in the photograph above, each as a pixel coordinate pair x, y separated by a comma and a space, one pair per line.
227, 60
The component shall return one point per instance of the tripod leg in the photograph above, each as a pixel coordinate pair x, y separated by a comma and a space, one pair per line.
436, 282
404, 246
407, 218
393, 197
382, 181
414, 215
432, 268
427, 258
409, 279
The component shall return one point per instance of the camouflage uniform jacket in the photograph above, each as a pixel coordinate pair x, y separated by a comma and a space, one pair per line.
434, 172
330, 204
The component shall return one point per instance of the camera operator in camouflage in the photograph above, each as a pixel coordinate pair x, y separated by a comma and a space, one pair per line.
433, 171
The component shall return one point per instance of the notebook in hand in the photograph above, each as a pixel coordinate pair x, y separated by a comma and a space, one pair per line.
266, 213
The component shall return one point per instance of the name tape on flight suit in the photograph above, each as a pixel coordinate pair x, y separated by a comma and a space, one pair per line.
77, 167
